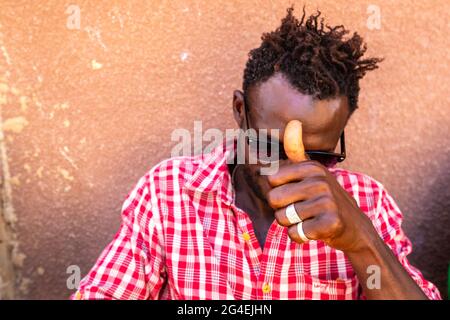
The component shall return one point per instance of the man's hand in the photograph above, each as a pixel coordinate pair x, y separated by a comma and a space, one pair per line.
328, 212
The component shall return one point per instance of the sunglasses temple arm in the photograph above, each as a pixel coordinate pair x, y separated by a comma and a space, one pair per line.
343, 151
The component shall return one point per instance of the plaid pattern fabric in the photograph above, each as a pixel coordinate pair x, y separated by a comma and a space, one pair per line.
182, 237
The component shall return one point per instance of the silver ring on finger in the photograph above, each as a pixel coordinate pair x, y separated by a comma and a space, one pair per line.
301, 233
292, 215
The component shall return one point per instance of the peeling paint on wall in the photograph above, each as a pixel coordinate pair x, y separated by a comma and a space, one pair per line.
96, 65
65, 174
7, 225
11, 258
15, 125
7, 216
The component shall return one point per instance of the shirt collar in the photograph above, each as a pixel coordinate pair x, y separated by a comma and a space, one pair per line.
212, 175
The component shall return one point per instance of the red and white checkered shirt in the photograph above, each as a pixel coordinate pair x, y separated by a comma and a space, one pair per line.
182, 237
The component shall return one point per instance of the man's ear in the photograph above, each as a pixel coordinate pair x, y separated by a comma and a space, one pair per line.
239, 107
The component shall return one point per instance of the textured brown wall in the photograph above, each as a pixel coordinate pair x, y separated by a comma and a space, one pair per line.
88, 111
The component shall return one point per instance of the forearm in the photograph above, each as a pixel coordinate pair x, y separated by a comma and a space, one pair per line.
395, 282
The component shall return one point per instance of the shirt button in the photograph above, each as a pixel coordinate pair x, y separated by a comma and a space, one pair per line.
266, 288
246, 236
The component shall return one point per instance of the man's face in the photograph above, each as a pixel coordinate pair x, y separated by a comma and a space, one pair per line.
276, 102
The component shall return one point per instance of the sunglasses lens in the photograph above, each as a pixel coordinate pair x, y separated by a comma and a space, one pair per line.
265, 149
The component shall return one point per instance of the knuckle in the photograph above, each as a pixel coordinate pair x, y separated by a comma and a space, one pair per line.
326, 188
292, 232
334, 224
333, 207
328, 204
322, 226
312, 232
273, 180
273, 198
321, 186
280, 217
319, 169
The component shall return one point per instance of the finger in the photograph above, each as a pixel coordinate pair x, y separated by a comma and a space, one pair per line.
293, 141
305, 210
288, 193
310, 227
323, 226
296, 172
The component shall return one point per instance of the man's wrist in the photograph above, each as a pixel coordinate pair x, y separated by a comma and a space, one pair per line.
368, 240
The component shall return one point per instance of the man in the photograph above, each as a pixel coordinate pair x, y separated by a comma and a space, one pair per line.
198, 228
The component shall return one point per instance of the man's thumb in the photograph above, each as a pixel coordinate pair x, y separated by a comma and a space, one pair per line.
293, 141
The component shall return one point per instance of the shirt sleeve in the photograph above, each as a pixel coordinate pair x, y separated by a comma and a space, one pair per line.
388, 225
131, 266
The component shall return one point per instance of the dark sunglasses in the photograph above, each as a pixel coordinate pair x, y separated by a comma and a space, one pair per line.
270, 149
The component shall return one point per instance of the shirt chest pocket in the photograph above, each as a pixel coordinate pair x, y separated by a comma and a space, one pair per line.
306, 287
339, 289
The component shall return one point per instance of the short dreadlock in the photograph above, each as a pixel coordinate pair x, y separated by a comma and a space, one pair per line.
315, 58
